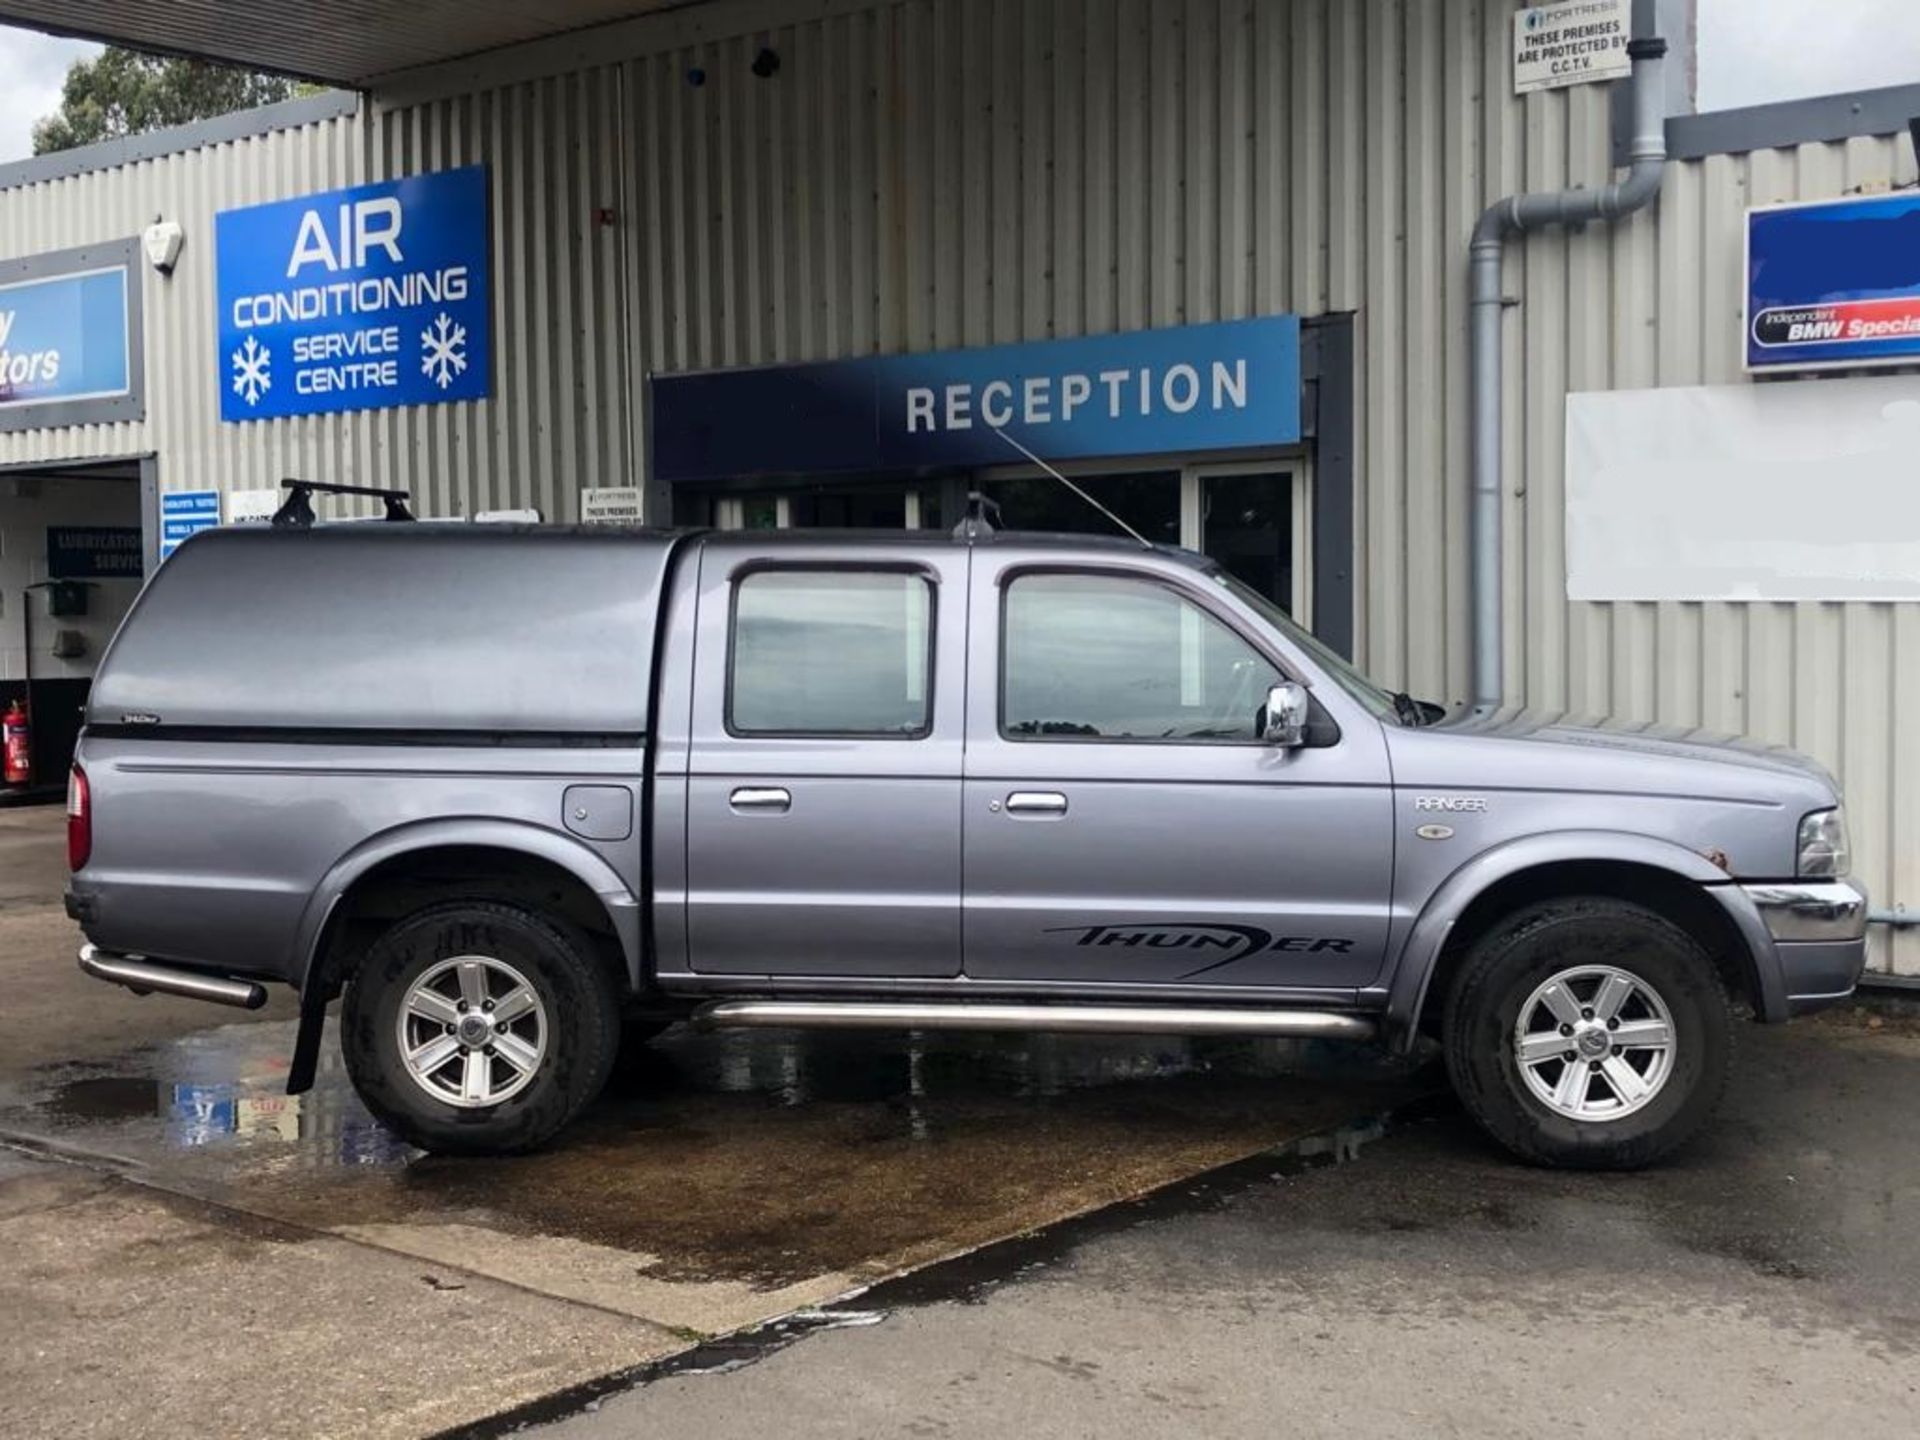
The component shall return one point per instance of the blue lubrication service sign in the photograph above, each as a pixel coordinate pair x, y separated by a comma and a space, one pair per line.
64, 338
94, 552
1834, 285
356, 299
1225, 386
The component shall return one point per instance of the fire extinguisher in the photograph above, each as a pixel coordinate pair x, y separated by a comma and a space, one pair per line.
19, 744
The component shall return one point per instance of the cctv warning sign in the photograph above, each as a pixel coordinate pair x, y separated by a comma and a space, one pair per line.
1576, 43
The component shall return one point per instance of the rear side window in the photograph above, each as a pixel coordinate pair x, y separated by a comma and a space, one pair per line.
831, 652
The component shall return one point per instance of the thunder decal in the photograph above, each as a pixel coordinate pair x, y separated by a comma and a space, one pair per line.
1236, 941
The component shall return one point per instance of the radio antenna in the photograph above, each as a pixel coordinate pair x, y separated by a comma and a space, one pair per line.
1146, 543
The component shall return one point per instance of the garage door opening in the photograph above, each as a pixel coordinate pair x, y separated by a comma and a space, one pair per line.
71, 561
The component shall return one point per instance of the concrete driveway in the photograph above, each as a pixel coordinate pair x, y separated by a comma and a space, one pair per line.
184, 1249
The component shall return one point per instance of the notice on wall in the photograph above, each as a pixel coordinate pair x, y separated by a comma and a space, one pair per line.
1834, 284
610, 506
1795, 491
93, 552
1575, 43
356, 299
251, 506
184, 513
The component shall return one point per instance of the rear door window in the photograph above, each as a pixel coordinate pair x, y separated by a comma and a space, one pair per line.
831, 652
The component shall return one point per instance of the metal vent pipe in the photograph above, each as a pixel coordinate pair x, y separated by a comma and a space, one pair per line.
1515, 215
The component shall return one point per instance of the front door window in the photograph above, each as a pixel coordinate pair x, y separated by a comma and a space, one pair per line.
1096, 657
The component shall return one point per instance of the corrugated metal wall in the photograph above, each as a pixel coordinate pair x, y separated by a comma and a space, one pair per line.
1661, 303
931, 174
558, 418
928, 173
183, 412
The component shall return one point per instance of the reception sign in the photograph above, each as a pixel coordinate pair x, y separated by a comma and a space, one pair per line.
1227, 386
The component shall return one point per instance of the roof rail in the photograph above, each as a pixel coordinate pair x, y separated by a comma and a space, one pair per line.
296, 512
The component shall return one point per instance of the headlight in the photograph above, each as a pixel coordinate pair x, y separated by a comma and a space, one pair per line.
1823, 844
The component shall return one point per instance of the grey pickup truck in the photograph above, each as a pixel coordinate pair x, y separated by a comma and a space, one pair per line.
515, 792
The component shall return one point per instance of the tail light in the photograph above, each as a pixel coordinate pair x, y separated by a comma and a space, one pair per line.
79, 819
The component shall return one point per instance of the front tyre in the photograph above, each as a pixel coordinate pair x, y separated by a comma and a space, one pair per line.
1589, 1032
476, 1028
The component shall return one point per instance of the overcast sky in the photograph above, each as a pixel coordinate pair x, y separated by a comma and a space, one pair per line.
1751, 51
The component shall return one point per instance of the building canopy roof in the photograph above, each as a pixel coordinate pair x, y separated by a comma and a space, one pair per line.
340, 42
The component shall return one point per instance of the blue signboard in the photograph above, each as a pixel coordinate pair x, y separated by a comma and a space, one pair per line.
65, 338
93, 552
1834, 285
1228, 386
356, 299
184, 513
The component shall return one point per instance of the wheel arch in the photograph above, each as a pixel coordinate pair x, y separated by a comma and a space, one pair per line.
414, 865
1668, 878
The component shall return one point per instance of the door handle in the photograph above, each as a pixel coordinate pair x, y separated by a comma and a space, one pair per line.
772, 798
1036, 802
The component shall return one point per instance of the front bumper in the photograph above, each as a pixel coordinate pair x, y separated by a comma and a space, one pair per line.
1819, 931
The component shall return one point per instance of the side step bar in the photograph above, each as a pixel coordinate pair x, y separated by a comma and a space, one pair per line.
144, 977
1062, 1019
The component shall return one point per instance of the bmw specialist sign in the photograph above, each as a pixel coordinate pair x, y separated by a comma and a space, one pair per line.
356, 299
1835, 284
69, 338
1226, 386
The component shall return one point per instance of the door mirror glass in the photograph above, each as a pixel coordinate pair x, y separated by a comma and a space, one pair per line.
1284, 721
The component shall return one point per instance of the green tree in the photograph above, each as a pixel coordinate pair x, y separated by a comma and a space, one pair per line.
123, 92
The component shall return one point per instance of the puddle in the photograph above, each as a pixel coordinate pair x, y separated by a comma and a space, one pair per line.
724, 1177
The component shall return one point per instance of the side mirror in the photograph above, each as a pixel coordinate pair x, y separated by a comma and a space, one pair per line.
1284, 721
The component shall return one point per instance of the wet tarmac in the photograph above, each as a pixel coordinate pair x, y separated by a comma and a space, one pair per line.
726, 1177
1760, 1283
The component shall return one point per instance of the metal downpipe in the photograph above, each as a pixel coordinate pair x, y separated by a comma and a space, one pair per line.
1515, 215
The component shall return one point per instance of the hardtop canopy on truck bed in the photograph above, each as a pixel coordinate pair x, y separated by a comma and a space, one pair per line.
495, 629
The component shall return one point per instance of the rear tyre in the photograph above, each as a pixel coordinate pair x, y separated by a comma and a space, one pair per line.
476, 1028
1590, 1033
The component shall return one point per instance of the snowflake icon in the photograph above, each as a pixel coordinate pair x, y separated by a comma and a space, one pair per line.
443, 350
252, 371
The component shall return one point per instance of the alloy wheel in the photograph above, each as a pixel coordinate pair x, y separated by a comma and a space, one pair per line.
472, 1031
1595, 1042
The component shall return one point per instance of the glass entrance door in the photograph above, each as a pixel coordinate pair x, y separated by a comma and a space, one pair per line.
1252, 521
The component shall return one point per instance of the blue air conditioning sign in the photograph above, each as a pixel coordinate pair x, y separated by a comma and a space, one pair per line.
356, 299
1228, 386
1834, 285
69, 338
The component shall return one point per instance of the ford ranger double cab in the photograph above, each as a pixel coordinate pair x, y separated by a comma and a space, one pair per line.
509, 792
